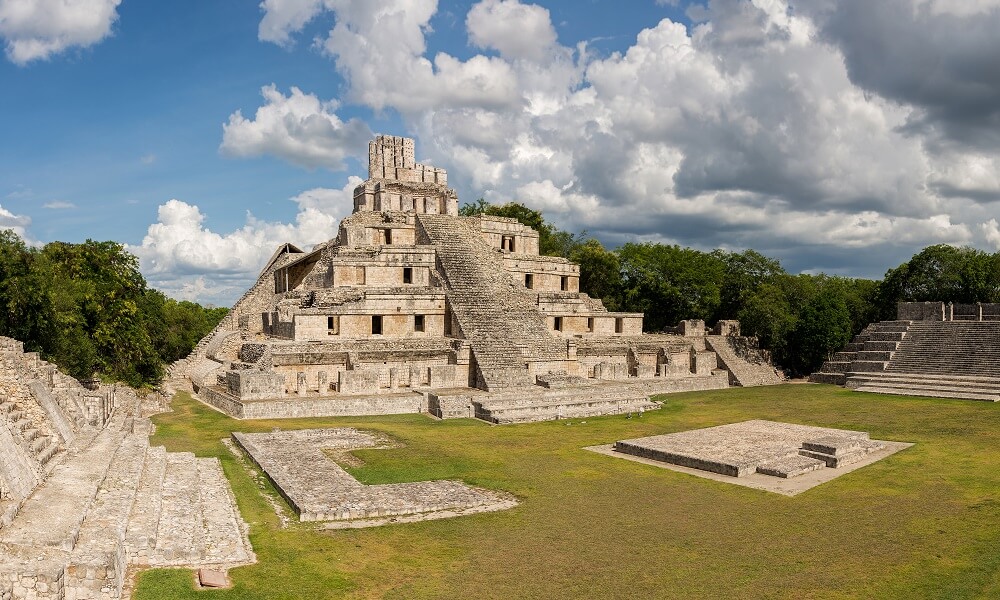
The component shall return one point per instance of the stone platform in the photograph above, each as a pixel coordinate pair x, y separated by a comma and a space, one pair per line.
320, 490
778, 457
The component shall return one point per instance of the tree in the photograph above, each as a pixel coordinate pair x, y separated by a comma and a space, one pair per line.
670, 283
823, 326
941, 273
600, 273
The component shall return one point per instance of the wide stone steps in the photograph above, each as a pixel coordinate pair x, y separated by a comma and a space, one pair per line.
179, 532
144, 517
935, 386
543, 404
869, 352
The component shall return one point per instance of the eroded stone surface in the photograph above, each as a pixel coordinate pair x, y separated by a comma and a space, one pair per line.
319, 490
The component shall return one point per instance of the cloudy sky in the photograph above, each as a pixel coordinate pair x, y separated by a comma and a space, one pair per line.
836, 135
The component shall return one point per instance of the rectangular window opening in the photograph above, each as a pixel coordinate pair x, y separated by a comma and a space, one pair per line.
564, 283
407, 275
618, 325
376, 324
558, 324
388, 237
333, 325
529, 280
418, 322
590, 324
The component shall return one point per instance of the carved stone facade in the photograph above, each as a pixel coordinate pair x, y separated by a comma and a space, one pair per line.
411, 301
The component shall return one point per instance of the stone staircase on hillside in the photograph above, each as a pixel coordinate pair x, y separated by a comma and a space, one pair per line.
753, 370
490, 309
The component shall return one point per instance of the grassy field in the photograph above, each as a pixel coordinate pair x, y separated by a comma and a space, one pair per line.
923, 523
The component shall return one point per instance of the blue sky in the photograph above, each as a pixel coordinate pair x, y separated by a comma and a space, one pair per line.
836, 136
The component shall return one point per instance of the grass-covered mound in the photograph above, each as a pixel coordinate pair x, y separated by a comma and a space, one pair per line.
922, 523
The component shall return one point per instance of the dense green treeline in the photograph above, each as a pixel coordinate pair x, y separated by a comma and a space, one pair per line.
800, 318
86, 307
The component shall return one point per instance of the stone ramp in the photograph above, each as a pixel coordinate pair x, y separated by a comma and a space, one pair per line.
742, 372
491, 310
320, 490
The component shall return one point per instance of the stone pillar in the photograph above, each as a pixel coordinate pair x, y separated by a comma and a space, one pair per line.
300, 383
951, 311
979, 310
322, 382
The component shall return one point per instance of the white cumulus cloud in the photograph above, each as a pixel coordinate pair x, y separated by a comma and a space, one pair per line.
37, 29
298, 128
185, 259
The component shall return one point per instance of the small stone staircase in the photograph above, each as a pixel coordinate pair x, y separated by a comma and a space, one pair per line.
869, 352
491, 310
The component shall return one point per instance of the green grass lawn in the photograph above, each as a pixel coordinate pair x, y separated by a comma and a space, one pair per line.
923, 523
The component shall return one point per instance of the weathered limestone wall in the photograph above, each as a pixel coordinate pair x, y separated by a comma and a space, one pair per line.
920, 311
509, 235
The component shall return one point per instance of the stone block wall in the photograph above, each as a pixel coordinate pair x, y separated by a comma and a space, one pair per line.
920, 311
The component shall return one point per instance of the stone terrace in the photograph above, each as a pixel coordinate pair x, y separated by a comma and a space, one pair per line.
320, 490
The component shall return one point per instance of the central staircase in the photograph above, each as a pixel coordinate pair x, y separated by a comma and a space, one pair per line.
491, 309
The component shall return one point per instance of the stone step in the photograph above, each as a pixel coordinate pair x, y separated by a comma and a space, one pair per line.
144, 517
224, 536
868, 366
918, 391
180, 531
52, 516
790, 466
563, 408
829, 378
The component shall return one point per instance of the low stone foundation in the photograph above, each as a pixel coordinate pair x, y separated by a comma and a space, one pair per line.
320, 490
778, 457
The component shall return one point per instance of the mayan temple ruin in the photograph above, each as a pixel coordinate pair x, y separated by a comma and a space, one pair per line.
412, 308
931, 349
84, 499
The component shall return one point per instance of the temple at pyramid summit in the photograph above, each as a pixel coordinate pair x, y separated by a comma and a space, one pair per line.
413, 308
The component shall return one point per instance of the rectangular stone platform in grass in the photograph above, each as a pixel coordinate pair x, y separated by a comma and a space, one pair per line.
318, 489
777, 457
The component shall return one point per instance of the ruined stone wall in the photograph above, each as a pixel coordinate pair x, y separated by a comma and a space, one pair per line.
920, 311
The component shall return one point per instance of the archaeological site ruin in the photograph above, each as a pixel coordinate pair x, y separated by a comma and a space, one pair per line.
413, 308
931, 349
84, 499
784, 458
